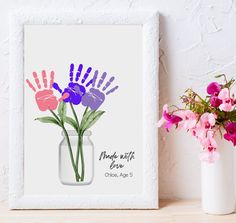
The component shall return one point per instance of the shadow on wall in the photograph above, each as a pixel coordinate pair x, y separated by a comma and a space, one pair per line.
175, 180
171, 158
163, 97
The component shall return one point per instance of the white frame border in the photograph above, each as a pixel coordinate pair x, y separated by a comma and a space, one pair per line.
148, 199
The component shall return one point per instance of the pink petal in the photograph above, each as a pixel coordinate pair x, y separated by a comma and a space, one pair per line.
167, 126
165, 108
207, 118
175, 119
224, 94
204, 117
226, 107
160, 122
211, 119
213, 88
166, 116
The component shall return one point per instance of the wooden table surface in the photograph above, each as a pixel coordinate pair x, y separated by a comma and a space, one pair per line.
178, 211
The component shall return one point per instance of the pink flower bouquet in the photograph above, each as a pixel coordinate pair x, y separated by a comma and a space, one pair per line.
205, 118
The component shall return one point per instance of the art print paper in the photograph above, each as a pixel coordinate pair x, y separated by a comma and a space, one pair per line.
83, 109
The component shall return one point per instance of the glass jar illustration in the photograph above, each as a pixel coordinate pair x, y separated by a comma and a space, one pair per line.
76, 158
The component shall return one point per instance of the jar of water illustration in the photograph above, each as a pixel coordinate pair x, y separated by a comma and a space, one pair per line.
76, 158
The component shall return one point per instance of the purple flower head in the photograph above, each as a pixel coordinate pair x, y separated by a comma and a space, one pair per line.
230, 134
213, 88
77, 85
100, 89
171, 120
215, 101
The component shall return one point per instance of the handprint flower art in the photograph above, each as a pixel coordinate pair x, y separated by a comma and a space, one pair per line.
95, 97
82, 90
44, 97
76, 87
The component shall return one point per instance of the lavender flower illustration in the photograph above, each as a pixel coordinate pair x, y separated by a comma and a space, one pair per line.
95, 97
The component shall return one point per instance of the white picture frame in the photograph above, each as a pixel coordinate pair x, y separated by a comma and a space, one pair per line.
148, 199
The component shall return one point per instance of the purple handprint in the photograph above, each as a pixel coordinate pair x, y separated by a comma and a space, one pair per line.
95, 97
75, 89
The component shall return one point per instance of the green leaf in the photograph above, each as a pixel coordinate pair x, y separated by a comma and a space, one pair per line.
48, 119
92, 119
233, 119
71, 122
62, 110
86, 117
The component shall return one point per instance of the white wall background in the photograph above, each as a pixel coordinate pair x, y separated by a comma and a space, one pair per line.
197, 39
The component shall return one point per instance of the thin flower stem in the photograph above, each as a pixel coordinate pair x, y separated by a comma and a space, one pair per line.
226, 81
77, 154
80, 148
201, 98
74, 113
85, 111
79, 138
77, 176
54, 114
82, 157
175, 106
71, 155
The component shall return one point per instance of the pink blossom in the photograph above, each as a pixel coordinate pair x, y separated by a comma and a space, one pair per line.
213, 88
215, 101
162, 120
189, 119
168, 118
209, 144
227, 102
207, 122
230, 134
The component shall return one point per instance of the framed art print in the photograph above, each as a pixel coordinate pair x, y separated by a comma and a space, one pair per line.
83, 110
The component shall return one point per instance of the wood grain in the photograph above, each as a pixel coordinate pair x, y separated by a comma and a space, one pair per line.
178, 211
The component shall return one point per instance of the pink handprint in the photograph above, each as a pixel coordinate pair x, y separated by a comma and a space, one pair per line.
45, 98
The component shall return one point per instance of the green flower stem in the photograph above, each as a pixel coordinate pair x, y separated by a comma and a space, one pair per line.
82, 156
80, 148
74, 113
85, 111
56, 117
79, 154
77, 176
78, 143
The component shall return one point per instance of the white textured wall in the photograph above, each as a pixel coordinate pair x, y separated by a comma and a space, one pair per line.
197, 38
